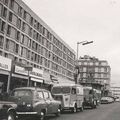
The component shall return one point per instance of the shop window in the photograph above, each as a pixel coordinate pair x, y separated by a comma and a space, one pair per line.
1, 41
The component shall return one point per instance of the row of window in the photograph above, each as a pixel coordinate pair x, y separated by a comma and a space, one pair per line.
15, 48
29, 21
25, 40
94, 69
94, 63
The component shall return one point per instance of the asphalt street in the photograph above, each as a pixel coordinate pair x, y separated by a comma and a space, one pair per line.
103, 112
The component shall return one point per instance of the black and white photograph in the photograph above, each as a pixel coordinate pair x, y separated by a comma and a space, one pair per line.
59, 59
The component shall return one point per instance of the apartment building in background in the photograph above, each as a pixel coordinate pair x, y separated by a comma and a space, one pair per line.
27, 40
94, 72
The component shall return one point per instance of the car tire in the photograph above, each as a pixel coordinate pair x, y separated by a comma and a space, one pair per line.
58, 112
82, 108
42, 116
11, 117
74, 109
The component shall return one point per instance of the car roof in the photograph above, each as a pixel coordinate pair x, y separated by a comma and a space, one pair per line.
30, 88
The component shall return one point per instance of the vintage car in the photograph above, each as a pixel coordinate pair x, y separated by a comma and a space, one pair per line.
32, 102
106, 100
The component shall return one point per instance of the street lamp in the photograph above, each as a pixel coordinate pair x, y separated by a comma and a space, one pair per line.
83, 43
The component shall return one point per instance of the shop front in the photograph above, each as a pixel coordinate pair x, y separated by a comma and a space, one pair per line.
5, 70
19, 77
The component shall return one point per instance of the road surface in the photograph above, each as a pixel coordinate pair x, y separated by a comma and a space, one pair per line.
103, 112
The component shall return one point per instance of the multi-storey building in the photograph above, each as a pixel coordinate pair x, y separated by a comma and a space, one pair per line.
26, 39
93, 71
115, 90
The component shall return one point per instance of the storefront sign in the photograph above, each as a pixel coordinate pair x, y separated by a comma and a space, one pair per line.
37, 73
5, 63
20, 70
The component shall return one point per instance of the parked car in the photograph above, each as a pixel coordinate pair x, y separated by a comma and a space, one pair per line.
106, 100
117, 99
32, 102
70, 95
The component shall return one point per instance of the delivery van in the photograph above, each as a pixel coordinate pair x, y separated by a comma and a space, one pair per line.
70, 95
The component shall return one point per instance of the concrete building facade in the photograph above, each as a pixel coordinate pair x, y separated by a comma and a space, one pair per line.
28, 40
94, 72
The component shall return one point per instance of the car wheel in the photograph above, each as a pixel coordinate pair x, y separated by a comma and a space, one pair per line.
11, 117
58, 112
42, 117
82, 108
74, 109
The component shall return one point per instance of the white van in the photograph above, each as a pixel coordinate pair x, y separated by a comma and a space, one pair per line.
70, 95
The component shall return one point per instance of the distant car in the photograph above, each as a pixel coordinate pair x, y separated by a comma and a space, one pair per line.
32, 102
117, 99
105, 100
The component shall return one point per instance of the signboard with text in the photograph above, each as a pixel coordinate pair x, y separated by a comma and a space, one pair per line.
5, 63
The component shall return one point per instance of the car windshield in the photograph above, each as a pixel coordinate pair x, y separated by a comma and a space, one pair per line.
61, 90
20, 93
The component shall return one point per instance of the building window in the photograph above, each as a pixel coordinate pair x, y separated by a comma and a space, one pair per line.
23, 26
3, 26
4, 12
6, 2
1, 41
10, 16
19, 23
24, 15
9, 30
16, 48
1, 8
11, 4
7, 44
18, 35
20, 11
31, 21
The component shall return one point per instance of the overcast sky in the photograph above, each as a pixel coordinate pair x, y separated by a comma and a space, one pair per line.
78, 20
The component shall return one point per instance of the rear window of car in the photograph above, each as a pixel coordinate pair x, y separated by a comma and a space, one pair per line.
20, 93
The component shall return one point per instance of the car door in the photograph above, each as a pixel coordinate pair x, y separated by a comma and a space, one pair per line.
48, 101
54, 104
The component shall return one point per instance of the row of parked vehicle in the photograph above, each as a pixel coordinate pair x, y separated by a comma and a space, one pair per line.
37, 102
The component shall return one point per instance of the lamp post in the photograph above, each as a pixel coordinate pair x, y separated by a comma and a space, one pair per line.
83, 43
